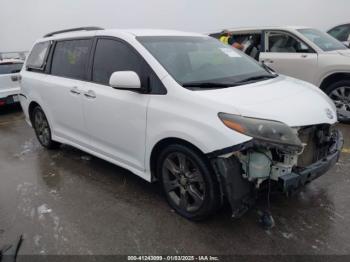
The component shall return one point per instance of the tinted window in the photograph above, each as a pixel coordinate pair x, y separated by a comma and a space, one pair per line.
10, 68
36, 59
111, 56
70, 58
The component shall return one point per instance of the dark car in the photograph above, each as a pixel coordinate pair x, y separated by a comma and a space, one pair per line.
342, 33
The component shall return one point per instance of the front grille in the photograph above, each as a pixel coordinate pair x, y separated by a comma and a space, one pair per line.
317, 139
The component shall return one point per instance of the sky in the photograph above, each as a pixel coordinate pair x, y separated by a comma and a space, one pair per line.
24, 21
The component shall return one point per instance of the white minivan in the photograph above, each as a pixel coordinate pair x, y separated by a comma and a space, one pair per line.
204, 119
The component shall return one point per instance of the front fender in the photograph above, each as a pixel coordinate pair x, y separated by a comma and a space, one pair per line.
207, 136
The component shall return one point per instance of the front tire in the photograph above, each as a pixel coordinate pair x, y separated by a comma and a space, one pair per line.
42, 129
339, 92
188, 182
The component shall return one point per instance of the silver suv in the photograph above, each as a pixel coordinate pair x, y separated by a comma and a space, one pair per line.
304, 53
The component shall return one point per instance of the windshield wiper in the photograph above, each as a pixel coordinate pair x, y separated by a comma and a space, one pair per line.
221, 84
268, 69
207, 84
253, 78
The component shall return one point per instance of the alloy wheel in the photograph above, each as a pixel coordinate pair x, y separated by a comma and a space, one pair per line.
183, 182
42, 127
341, 99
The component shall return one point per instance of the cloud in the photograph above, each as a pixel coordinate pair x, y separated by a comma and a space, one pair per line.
24, 21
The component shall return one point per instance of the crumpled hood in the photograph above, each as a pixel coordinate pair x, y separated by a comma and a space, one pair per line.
283, 99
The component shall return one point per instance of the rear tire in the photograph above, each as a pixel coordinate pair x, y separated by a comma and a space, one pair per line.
188, 182
339, 92
42, 129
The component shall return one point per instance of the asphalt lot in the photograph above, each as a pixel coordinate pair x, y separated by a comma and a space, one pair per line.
67, 202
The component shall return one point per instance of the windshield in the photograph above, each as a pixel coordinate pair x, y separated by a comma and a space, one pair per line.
322, 40
203, 61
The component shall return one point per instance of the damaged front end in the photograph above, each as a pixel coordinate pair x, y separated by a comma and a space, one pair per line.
244, 170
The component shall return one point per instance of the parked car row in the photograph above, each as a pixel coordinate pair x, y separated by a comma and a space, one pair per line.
207, 121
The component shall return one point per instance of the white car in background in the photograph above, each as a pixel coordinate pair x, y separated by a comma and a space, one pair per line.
9, 77
304, 53
206, 120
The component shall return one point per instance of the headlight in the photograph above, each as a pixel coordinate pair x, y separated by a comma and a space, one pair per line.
266, 130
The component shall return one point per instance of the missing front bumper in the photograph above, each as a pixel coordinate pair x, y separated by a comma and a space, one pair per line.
242, 193
294, 180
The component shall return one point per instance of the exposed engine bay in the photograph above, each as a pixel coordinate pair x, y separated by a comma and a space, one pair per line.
264, 163
244, 172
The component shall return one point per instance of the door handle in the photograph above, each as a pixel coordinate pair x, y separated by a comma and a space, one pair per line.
268, 61
75, 91
16, 78
90, 94
304, 56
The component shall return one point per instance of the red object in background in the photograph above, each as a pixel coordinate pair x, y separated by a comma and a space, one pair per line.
2, 103
238, 46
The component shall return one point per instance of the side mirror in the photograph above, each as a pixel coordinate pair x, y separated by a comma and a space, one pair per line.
128, 80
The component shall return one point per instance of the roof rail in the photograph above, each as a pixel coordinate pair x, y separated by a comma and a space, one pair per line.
89, 28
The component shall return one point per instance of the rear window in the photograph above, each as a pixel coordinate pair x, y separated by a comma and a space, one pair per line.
37, 57
70, 58
10, 68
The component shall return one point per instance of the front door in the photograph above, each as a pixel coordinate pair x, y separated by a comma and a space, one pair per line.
115, 118
288, 55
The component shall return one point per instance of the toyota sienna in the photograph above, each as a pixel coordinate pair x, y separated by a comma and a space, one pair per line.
207, 121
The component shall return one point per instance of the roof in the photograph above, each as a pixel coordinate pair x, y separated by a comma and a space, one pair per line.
112, 32
333, 27
155, 32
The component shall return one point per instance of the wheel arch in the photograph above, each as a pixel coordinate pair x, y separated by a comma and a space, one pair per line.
160, 145
334, 77
31, 107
